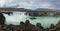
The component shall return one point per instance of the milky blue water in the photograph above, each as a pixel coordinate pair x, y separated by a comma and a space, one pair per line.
17, 17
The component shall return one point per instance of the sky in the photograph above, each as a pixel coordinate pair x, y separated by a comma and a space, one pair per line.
30, 4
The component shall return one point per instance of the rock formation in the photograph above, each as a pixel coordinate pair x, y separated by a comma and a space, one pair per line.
2, 18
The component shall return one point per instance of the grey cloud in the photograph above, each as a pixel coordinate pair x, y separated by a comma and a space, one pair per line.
32, 4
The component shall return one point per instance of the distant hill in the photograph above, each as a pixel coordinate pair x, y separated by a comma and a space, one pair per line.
22, 9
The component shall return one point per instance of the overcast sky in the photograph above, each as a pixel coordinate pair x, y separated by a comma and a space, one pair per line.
31, 4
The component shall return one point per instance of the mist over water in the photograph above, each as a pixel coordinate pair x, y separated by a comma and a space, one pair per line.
17, 17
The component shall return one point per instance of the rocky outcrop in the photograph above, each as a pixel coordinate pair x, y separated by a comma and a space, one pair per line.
2, 18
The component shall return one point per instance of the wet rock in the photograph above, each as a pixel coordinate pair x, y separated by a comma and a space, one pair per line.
21, 23
27, 22
52, 26
2, 18
39, 25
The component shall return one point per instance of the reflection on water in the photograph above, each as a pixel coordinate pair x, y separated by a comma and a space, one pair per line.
17, 17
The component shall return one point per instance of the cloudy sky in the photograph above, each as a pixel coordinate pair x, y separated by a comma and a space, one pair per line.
31, 4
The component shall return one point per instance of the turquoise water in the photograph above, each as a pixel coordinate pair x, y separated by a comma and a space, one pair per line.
17, 17
46, 21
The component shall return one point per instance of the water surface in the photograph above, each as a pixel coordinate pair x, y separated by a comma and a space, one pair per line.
17, 17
